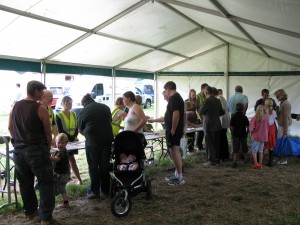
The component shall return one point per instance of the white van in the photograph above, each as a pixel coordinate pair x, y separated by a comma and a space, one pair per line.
98, 87
145, 87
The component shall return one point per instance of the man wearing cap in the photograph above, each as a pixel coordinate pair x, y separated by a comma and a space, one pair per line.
31, 137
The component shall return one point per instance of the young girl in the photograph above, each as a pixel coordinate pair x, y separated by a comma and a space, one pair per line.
259, 135
270, 145
61, 168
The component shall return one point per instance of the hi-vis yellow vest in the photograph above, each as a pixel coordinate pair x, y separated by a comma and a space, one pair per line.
51, 117
69, 125
116, 121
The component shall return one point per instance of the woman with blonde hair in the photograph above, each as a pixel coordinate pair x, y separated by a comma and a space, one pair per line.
259, 135
270, 145
284, 119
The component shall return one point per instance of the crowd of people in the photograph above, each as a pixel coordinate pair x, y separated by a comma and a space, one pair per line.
35, 129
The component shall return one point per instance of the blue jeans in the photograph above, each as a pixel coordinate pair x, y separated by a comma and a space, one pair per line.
98, 161
31, 161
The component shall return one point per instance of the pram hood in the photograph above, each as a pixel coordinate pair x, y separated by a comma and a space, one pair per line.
130, 143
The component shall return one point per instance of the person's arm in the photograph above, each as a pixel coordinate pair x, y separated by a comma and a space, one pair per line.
141, 115
286, 116
44, 117
55, 158
10, 125
245, 105
157, 120
175, 120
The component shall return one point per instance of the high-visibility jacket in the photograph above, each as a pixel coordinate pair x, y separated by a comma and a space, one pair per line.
51, 117
116, 121
69, 125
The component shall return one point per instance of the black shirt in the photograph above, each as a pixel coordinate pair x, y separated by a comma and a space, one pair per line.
175, 103
95, 122
62, 166
262, 102
239, 122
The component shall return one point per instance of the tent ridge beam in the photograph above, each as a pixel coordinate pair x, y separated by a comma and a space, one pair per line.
120, 15
160, 48
258, 44
236, 24
232, 18
97, 28
187, 18
42, 18
192, 57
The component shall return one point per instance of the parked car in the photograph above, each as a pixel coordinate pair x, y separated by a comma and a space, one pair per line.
57, 92
146, 99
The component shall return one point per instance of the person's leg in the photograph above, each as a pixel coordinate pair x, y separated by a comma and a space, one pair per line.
224, 151
254, 149
212, 151
26, 183
73, 165
104, 168
199, 140
216, 142
93, 159
41, 166
176, 156
190, 141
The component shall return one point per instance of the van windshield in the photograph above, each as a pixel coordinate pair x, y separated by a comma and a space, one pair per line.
148, 89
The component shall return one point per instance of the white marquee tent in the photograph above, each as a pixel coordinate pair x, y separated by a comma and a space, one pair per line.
254, 43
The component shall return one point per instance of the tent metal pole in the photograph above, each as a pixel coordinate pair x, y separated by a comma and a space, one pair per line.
43, 73
113, 74
155, 97
226, 70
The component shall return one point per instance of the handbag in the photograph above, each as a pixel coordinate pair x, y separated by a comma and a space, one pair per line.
286, 146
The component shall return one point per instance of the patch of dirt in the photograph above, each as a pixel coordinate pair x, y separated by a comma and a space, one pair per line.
211, 195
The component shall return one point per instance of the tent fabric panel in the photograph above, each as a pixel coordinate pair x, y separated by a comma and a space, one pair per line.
287, 58
20, 66
88, 14
241, 60
133, 74
275, 65
153, 61
149, 25
211, 21
67, 69
276, 13
213, 61
38, 40
105, 52
273, 39
187, 46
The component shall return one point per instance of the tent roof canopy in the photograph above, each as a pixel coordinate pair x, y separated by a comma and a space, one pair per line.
144, 36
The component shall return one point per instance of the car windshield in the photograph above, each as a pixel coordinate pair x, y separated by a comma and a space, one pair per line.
148, 89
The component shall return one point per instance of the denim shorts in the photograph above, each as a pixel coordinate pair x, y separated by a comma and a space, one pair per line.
257, 146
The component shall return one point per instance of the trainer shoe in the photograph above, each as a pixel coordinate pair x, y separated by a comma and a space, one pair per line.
234, 164
282, 162
171, 177
176, 182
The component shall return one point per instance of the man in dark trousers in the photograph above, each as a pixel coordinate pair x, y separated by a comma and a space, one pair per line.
94, 122
29, 127
212, 110
174, 121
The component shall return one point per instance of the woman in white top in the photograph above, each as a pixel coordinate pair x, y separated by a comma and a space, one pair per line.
135, 119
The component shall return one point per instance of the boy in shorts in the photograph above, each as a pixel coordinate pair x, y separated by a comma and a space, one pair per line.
239, 127
61, 168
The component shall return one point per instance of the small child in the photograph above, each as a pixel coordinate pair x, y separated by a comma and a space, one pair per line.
127, 162
259, 135
61, 168
270, 145
239, 127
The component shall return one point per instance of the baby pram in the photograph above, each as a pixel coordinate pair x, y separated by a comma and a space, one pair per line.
125, 184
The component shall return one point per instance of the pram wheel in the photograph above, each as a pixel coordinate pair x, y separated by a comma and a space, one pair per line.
148, 189
120, 206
